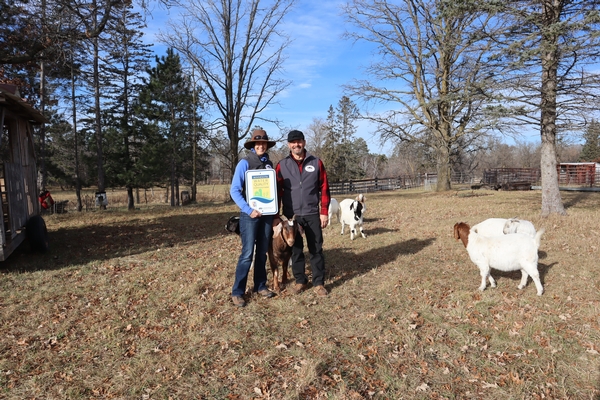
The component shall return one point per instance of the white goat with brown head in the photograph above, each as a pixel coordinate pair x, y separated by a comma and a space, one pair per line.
280, 248
512, 252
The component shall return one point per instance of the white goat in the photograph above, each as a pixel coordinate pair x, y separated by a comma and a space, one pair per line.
512, 252
334, 209
515, 225
501, 226
352, 215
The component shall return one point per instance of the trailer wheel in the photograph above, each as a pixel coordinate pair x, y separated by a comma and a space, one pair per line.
37, 233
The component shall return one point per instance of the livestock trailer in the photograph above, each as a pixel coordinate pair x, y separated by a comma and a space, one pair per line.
18, 174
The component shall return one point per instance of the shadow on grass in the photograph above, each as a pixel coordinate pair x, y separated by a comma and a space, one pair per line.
128, 236
375, 231
576, 199
543, 269
597, 396
344, 264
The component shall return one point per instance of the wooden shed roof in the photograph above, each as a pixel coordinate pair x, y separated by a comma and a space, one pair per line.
18, 106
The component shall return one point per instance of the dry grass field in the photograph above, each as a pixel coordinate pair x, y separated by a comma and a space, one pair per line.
136, 305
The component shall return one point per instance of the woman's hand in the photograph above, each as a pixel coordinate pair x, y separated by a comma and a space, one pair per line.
255, 214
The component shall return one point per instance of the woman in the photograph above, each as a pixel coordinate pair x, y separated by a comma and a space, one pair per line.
255, 228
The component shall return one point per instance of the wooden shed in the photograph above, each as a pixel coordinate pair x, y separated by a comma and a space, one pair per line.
18, 174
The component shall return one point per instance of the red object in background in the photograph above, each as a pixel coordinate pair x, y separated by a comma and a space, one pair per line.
46, 200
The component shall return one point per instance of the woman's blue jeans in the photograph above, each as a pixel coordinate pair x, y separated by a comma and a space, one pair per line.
253, 231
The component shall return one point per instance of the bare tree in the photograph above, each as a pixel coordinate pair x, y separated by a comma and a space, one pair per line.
315, 136
431, 71
237, 50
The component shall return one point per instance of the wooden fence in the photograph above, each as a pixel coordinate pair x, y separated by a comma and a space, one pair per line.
427, 180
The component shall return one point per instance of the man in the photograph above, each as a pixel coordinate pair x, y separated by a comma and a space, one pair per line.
304, 192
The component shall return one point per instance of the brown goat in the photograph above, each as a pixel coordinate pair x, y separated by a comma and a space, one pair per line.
280, 248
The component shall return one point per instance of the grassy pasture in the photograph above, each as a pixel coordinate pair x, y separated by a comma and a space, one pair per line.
136, 305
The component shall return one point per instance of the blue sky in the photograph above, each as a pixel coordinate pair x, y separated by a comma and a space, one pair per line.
319, 61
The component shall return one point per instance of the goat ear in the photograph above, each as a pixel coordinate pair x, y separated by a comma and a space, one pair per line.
277, 229
300, 229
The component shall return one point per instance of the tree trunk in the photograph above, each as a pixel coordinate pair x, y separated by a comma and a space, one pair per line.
194, 141
551, 200
443, 169
42, 157
75, 138
130, 202
234, 153
98, 123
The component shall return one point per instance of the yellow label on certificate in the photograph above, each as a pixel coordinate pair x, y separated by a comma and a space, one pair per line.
261, 190
261, 186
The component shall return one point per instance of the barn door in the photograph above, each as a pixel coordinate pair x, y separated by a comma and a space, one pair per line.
17, 206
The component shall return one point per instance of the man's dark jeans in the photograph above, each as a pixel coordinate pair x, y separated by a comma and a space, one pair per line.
314, 241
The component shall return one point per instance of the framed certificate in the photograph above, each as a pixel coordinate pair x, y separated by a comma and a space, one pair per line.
261, 190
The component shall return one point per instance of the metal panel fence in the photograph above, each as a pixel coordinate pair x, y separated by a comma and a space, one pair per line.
499, 176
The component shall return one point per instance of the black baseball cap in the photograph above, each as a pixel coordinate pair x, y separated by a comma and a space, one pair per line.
295, 135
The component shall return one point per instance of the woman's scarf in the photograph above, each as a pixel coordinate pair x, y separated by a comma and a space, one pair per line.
264, 158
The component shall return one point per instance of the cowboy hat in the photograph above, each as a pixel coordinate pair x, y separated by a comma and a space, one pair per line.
259, 135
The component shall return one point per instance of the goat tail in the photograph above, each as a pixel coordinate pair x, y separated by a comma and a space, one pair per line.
538, 237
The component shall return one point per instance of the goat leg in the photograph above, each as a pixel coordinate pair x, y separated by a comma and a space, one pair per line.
274, 271
284, 269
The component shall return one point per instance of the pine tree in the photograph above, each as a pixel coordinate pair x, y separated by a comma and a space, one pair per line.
329, 154
127, 59
591, 147
167, 102
340, 150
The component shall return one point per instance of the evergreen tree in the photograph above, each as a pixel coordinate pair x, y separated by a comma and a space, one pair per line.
166, 101
127, 59
591, 148
329, 154
340, 149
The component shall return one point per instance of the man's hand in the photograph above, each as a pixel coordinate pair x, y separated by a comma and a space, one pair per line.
324, 221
